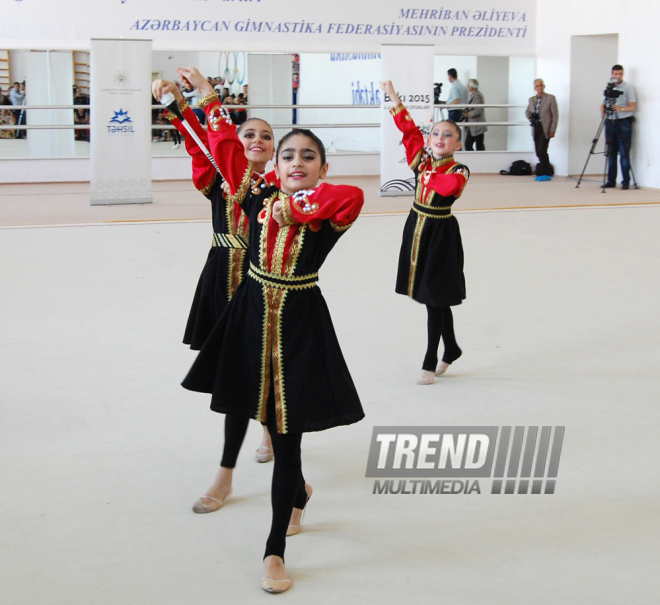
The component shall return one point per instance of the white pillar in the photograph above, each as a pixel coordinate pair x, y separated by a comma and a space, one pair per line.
49, 81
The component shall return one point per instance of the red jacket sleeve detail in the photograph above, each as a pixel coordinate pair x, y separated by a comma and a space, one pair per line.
227, 150
413, 139
341, 204
448, 184
203, 172
271, 179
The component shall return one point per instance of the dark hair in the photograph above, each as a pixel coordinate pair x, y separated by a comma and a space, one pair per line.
305, 133
455, 127
242, 126
617, 67
452, 72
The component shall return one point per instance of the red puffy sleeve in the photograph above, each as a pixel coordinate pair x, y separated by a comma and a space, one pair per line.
451, 182
413, 139
340, 204
204, 173
226, 148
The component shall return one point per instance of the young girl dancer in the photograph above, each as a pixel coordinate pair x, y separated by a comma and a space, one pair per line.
431, 257
274, 354
225, 266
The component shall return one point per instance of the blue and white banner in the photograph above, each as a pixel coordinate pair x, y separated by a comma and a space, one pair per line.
289, 25
120, 118
411, 70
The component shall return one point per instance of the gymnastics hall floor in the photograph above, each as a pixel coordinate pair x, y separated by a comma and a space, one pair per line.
103, 453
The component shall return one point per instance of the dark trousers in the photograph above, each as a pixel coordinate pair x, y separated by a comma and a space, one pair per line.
470, 141
455, 115
541, 143
618, 134
440, 325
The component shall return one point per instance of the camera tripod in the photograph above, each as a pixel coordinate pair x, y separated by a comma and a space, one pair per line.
609, 112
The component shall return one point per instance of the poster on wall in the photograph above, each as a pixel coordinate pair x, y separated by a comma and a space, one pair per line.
120, 114
288, 25
414, 85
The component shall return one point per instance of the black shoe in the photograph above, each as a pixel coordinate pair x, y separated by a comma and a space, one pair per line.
625, 186
609, 185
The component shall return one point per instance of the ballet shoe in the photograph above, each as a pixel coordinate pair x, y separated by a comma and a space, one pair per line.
275, 586
447, 360
292, 530
260, 456
200, 508
426, 377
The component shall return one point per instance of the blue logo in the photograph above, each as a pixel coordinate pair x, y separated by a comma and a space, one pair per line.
121, 123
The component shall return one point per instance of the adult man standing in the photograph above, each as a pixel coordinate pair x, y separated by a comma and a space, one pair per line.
543, 113
17, 97
458, 94
618, 128
475, 134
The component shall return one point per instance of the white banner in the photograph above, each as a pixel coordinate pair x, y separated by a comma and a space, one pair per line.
120, 118
249, 25
411, 70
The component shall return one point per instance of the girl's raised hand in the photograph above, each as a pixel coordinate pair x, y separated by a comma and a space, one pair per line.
192, 76
160, 87
388, 88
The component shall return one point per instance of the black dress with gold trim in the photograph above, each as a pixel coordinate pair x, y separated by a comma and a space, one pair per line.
226, 262
431, 258
277, 328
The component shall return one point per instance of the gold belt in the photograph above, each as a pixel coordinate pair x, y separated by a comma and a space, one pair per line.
283, 282
227, 240
432, 211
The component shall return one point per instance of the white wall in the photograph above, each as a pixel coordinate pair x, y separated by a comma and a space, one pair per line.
591, 57
329, 80
637, 25
522, 72
166, 61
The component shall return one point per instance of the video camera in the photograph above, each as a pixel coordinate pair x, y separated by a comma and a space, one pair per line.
611, 95
534, 118
437, 91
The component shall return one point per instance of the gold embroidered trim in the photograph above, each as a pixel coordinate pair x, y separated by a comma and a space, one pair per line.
263, 243
286, 210
208, 99
235, 277
207, 189
294, 252
168, 115
442, 161
264, 387
278, 365
277, 278
240, 194
416, 160
228, 240
277, 262
183, 105
428, 215
414, 253
340, 228
398, 109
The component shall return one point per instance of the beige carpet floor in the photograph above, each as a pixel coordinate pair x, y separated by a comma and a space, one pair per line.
103, 453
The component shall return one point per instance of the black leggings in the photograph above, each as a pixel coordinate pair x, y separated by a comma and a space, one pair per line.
440, 324
235, 429
288, 487
176, 136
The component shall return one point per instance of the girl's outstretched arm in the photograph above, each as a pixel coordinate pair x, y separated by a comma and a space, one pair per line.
340, 204
413, 139
204, 173
224, 144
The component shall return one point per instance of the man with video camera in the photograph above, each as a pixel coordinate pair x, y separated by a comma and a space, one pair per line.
618, 108
543, 114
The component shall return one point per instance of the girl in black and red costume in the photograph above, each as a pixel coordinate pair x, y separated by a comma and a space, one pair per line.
431, 257
225, 265
274, 355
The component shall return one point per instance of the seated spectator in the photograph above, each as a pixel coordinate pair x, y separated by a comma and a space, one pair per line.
240, 114
192, 97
